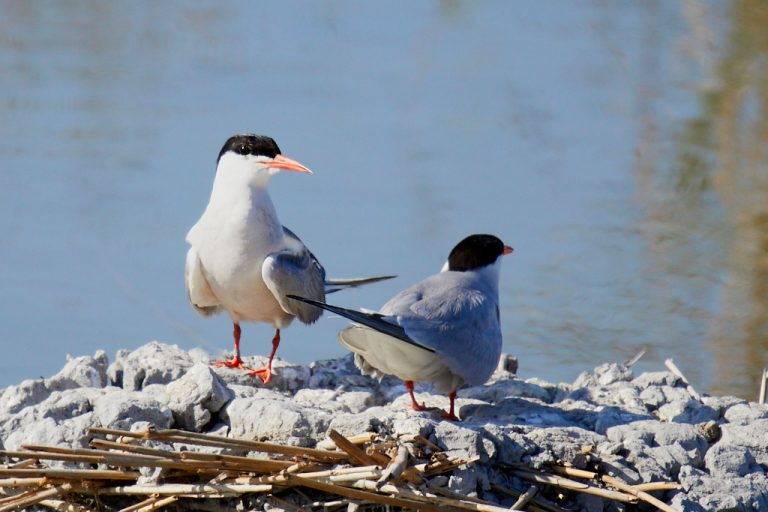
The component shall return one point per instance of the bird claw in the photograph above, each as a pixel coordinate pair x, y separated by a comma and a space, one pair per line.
420, 406
235, 362
265, 374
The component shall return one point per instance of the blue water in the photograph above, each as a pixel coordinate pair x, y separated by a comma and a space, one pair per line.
549, 124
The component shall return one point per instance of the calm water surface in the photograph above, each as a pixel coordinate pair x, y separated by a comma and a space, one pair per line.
621, 148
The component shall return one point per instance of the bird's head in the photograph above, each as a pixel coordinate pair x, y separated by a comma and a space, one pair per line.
254, 158
476, 252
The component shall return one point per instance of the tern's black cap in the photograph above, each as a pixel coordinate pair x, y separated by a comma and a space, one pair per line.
250, 144
475, 251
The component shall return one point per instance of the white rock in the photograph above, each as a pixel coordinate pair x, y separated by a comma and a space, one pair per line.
745, 413
29, 392
117, 408
153, 363
357, 401
729, 461
82, 372
687, 411
196, 396
274, 420
69, 433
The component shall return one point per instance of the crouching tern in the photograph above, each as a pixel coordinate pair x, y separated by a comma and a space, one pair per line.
242, 260
444, 329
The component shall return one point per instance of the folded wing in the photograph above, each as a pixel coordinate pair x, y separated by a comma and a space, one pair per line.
199, 290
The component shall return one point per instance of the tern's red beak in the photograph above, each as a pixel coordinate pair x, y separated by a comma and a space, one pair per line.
507, 250
288, 164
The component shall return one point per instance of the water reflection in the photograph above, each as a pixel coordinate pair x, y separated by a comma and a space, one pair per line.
709, 223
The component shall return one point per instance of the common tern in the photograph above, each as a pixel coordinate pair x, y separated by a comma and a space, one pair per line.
242, 260
444, 329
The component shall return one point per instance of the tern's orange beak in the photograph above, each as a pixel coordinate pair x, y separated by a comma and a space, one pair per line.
288, 164
507, 250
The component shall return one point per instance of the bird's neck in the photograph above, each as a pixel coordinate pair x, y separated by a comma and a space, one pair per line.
487, 275
245, 206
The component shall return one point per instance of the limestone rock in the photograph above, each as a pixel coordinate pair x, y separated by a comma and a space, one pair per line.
120, 409
196, 396
153, 363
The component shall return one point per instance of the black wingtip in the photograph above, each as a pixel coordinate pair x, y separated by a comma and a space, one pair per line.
308, 301
374, 321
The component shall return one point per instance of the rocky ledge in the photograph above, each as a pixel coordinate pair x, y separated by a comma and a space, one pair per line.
641, 428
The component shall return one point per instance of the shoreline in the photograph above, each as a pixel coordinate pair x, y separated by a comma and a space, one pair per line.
640, 429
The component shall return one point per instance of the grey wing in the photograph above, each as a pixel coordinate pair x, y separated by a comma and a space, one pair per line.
461, 323
331, 285
199, 291
295, 271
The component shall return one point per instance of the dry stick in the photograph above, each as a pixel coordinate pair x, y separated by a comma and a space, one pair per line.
27, 500
63, 506
375, 471
158, 504
144, 503
431, 498
352, 450
365, 437
233, 461
134, 448
23, 464
569, 471
86, 455
649, 486
180, 436
763, 380
291, 451
450, 494
674, 369
640, 494
380, 458
10, 498
524, 498
636, 357
72, 474
536, 505
189, 490
130, 460
22, 482
344, 477
287, 505
36, 449
396, 467
426, 442
574, 486
363, 495
658, 486
435, 468
330, 504
409, 474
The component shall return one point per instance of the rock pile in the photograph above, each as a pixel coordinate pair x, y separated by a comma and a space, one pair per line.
640, 429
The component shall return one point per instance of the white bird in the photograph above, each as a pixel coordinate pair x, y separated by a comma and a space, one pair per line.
444, 329
242, 259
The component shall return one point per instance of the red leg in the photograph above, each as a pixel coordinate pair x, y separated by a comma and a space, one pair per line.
266, 373
235, 362
450, 416
415, 406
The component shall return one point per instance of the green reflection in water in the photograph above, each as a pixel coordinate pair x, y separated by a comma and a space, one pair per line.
719, 207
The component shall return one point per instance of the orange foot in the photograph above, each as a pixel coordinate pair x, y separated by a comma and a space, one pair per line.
265, 374
235, 362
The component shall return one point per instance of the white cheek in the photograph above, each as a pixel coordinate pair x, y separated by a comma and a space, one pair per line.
445, 267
